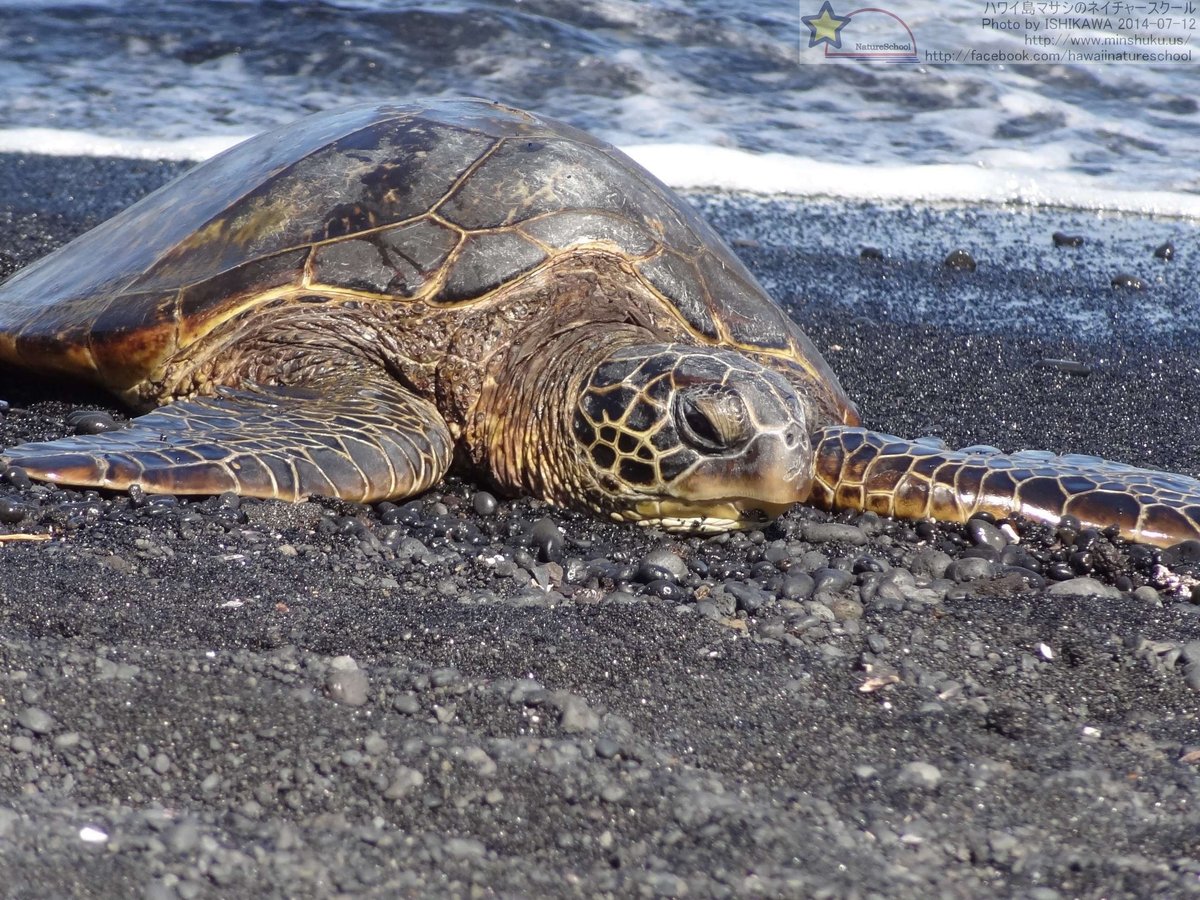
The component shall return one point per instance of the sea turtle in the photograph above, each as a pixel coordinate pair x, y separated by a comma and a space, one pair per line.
349, 305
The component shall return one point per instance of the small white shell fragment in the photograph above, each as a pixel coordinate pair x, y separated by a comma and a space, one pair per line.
875, 682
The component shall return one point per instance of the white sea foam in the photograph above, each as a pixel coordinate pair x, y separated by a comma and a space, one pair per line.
988, 181
61, 142
708, 93
1001, 176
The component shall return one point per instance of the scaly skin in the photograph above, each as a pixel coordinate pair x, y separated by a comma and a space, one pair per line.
601, 423
863, 470
519, 435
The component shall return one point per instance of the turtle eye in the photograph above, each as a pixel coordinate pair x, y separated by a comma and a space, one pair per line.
712, 419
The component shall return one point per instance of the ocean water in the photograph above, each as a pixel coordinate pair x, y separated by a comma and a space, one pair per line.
707, 93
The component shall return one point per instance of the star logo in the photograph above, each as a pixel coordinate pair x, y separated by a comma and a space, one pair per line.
825, 27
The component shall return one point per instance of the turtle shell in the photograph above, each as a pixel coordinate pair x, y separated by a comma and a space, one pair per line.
440, 202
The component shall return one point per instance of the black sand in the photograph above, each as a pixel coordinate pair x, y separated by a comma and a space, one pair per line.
172, 675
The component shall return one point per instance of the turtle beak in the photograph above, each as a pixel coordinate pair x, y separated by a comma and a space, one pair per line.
765, 474
748, 489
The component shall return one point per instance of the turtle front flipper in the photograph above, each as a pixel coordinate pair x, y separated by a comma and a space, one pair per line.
349, 440
864, 470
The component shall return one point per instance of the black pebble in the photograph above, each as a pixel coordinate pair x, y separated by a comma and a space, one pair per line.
468, 533
90, 421
877, 643
607, 748
1059, 571
11, 512
831, 580
648, 573
729, 570
1068, 529
1141, 556
870, 253
443, 524
348, 525
1081, 562
983, 551
408, 514
796, 586
1067, 240
763, 569
749, 598
484, 503
1165, 252
865, 564
137, 496
666, 589
970, 568
1031, 578
548, 540
1182, 554
959, 260
1122, 282
611, 571
1069, 366
17, 477
1016, 555
776, 555
985, 534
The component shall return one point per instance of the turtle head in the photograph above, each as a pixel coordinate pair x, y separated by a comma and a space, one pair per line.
692, 439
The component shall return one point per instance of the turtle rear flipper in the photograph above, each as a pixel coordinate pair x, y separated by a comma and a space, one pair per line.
859, 469
356, 442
